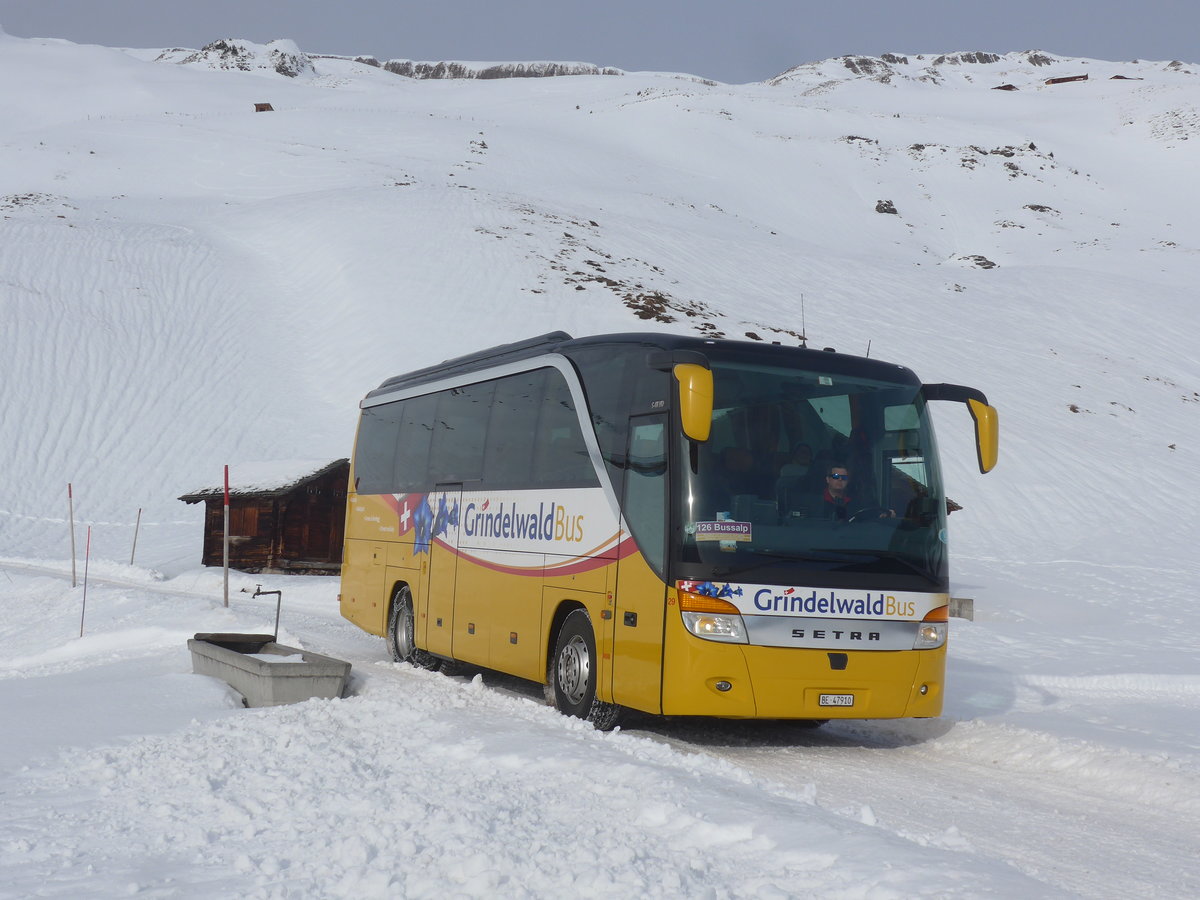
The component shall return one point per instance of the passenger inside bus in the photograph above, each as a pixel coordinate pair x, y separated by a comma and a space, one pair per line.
799, 482
798, 462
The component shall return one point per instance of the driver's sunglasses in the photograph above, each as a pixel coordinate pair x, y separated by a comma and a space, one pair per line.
836, 476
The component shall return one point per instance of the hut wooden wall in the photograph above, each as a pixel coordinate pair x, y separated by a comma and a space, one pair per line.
251, 532
313, 520
299, 531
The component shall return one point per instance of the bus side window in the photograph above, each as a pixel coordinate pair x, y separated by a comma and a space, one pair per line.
646, 488
459, 431
560, 455
375, 451
513, 430
412, 445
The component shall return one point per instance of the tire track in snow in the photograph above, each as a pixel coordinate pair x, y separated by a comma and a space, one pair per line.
992, 792
1119, 824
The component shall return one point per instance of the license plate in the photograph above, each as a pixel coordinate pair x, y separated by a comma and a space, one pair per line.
835, 700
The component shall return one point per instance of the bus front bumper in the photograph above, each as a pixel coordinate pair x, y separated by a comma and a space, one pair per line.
711, 678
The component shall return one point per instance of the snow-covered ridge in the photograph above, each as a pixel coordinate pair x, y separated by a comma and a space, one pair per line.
984, 69
485, 70
282, 57
977, 68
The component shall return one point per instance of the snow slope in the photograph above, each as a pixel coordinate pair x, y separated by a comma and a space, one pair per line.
186, 283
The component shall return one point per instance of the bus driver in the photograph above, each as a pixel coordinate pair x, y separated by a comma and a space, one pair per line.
839, 504
837, 498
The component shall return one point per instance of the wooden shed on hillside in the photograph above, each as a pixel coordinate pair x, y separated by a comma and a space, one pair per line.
284, 516
1066, 79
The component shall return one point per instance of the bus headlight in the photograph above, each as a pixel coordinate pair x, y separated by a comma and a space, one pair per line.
716, 627
930, 636
711, 618
931, 633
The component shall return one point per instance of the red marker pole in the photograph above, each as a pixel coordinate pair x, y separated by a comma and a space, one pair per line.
226, 548
71, 518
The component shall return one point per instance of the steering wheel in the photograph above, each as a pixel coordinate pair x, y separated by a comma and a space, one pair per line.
880, 512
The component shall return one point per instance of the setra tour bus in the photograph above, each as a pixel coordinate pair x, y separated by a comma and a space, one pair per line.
672, 524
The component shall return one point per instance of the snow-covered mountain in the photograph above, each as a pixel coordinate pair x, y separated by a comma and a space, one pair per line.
185, 282
283, 57
1028, 69
413, 69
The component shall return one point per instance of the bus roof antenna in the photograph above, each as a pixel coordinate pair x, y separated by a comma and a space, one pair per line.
803, 327
868, 348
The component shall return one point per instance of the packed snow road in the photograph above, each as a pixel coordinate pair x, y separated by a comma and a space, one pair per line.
991, 791
420, 783
1120, 822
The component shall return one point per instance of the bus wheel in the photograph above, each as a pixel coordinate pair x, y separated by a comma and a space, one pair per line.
401, 632
573, 674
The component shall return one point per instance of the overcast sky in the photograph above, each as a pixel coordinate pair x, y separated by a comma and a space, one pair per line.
727, 40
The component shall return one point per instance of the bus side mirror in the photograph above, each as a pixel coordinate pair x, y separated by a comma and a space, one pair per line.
987, 420
695, 399
987, 434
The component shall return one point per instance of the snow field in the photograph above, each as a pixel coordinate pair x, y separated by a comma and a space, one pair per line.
416, 785
185, 283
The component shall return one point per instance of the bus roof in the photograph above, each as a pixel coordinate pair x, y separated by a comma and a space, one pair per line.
743, 351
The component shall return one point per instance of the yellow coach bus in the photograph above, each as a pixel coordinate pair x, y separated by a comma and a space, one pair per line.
671, 524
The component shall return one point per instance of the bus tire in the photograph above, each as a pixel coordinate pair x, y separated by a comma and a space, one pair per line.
402, 632
572, 675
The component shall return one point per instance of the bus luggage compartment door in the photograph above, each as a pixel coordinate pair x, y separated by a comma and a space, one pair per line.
437, 625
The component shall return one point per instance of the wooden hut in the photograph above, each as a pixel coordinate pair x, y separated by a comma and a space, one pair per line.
285, 516
1066, 79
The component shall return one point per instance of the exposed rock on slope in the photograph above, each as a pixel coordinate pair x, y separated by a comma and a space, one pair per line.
1030, 67
443, 69
282, 57
285, 58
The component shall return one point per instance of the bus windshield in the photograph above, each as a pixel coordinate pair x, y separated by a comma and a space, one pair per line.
812, 478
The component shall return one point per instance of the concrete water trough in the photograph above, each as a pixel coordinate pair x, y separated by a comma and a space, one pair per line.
267, 673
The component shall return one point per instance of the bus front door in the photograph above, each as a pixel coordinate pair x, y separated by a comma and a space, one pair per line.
641, 593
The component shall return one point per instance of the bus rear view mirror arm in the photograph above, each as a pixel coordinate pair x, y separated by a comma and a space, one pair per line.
987, 420
693, 377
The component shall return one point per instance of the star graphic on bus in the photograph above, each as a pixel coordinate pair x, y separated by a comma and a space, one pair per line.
447, 516
422, 517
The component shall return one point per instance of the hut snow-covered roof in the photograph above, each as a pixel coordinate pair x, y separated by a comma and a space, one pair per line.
269, 478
